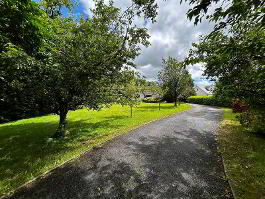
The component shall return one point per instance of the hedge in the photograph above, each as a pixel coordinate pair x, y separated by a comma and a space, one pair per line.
210, 100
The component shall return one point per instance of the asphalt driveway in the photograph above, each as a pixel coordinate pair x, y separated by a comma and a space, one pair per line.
175, 157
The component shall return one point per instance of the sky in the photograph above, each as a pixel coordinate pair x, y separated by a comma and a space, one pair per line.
171, 35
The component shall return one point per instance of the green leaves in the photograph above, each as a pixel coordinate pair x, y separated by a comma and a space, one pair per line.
229, 12
175, 79
236, 60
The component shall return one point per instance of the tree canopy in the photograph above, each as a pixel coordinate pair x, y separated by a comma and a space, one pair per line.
175, 80
76, 64
227, 12
235, 60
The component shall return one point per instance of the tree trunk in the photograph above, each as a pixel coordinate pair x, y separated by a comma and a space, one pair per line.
175, 97
131, 111
159, 105
60, 132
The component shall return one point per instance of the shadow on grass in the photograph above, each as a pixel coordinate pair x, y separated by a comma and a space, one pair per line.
173, 167
25, 149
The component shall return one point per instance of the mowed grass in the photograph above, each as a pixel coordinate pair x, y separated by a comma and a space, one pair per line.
27, 152
244, 158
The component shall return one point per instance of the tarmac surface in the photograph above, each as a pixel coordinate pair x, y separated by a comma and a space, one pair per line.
175, 157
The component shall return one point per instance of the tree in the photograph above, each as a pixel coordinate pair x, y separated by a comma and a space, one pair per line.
84, 61
53, 7
236, 61
21, 35
76, 63
228, 12
156, 90
175, 79
128, 88
19, 25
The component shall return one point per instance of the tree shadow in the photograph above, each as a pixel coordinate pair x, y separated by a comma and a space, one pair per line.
25, 148
185, 165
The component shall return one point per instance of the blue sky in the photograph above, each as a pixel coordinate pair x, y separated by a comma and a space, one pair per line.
171, 35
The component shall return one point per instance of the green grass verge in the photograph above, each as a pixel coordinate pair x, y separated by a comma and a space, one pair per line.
26, 152
244, 158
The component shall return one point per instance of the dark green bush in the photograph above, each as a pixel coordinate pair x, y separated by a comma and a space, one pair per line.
210, 100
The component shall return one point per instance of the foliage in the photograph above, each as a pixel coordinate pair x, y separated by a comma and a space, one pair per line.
175, 80
238, 106
53, 7
27, 151
20, 25
77, 63
243, 155
227, 12
150, 100
129, 89
255, 120
236, 60
246, 118
210, 100
15, 70
258, 124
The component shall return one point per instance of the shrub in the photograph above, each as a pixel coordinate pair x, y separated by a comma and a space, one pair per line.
255, 120
210, 100
258, 124
238, 106
246, 118
150, 100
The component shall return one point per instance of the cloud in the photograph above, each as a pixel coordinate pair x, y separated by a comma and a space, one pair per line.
171, 35
88, 6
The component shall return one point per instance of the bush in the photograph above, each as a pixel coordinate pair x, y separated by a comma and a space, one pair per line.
238, 106
150, 100
258, 124
246, 118
210, 100
254, 120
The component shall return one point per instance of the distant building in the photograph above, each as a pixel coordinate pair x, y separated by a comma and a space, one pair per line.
201, 91
148, 94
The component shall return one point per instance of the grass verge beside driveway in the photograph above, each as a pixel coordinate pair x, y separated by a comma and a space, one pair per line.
244, 158
27, 152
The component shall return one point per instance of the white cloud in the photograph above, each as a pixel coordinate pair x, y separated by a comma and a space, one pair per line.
171, 35
88, 5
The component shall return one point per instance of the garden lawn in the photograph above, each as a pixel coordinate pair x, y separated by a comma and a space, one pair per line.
27, 152
244, 158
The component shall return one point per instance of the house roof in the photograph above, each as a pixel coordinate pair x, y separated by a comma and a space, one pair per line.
202, 90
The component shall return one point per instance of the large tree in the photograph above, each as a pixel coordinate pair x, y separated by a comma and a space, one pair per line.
19, 25
77, 62
175, 79
236, 60
84, 60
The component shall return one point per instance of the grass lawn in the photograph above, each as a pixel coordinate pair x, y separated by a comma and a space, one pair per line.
26, 152
244, 158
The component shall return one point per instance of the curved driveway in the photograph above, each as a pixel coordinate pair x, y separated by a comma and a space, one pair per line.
175, 157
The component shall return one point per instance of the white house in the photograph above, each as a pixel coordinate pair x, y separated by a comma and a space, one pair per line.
201, 91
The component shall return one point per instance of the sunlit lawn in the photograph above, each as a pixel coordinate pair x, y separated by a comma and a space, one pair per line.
244, 158
26, 150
